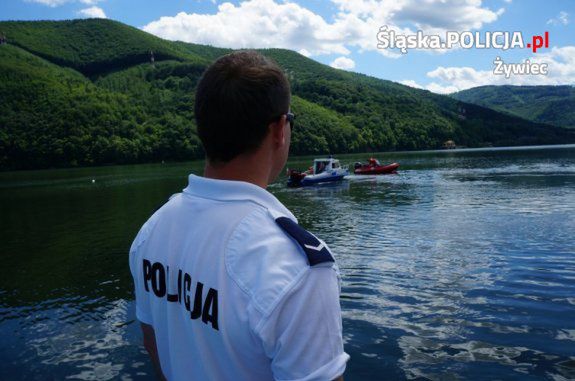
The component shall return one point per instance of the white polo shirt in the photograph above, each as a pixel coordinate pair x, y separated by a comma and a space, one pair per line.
235, 289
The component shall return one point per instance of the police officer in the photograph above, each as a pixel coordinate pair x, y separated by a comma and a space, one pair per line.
228, 285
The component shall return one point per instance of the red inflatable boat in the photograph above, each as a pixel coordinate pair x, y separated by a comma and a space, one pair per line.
373, 167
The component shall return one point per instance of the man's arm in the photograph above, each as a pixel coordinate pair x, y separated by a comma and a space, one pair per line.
150, 345
303, 335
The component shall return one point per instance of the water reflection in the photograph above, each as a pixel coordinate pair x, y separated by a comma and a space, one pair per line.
462, 266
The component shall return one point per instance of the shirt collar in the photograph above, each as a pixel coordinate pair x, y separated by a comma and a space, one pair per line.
230, 190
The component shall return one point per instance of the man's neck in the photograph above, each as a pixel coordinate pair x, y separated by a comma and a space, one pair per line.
249, 168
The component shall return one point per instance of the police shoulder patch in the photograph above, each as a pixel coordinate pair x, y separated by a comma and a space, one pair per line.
316, 251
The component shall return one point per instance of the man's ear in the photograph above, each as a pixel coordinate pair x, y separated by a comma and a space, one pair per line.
277, 131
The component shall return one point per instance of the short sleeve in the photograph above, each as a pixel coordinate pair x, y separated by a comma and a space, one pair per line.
142, 301
303, 335
136, 268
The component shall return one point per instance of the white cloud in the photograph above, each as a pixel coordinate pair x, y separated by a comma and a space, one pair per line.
50, 3
57, 3
424, 14
253, 24
411, 83
92, 12
561, 69
457, 78
433, 87
561, 19
267, 23
439, 89
447, 15
343, 63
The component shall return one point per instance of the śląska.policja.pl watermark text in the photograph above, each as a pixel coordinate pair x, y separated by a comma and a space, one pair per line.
389, 39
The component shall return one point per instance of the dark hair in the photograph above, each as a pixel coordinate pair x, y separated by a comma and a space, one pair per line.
237, 97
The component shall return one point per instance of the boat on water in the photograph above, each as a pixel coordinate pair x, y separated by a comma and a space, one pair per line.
323, 171
374, 167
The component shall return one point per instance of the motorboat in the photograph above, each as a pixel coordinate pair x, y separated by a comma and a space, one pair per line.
322, 171
374, 167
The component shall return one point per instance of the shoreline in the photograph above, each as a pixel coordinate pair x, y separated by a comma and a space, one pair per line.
306, 157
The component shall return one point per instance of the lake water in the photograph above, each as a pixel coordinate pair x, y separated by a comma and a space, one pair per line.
461, 267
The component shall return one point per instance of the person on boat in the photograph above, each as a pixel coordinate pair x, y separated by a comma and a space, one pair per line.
228, 286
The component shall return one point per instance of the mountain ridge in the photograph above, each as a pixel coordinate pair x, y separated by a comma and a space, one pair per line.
553, 105
87, 92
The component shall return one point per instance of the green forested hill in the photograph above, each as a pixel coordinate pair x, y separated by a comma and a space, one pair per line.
545, 104
85, 92
93, 47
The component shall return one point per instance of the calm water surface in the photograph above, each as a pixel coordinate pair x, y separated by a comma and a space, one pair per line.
461, 267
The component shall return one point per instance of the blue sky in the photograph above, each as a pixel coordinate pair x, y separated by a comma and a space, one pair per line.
342, 33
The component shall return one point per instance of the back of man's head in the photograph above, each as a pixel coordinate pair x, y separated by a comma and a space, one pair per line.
237, 98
